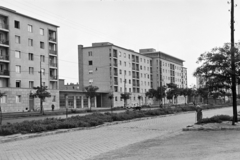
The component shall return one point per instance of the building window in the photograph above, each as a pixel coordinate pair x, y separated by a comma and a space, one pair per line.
90, 71
18, 99
18, 83
3, 99
31, 70
18, 69
43, 83
41, 31
17, 24
30, 42
129, 81
90, 63
90, 81
116, 98
54, 99
31, 84
130, 90
120, 71
42, 57
30, 28
17, 54
129, 73
17, 39
43, 71
30, 56
42, 45
90, 53
120, 63
125, 63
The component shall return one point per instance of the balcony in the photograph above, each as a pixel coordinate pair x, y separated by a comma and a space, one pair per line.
4, 73
115, 65
115, 83
4, 42
51, 38
52, 64
53, 77
3, 26
52, 52
4, 58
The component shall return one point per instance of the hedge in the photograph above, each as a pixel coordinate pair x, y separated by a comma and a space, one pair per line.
90, 120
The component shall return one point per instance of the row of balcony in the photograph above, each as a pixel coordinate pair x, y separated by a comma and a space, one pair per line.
3, 41
4, 72
3, 26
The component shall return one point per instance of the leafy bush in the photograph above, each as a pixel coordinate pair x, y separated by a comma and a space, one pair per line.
96, 118
215, 119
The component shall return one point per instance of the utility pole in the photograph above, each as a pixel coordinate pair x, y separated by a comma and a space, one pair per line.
233, 67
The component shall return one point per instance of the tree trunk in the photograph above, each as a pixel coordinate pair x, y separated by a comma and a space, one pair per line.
41, 107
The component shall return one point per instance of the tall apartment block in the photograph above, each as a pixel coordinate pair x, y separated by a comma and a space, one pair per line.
115, 70
27, 45
166, 69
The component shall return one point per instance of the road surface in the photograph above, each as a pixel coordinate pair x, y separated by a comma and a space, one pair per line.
91, 144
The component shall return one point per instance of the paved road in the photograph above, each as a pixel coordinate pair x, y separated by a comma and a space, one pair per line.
87, 144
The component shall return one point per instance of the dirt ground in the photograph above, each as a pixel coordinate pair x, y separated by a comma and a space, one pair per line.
194, 145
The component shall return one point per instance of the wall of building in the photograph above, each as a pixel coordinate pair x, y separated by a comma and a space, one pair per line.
10, 104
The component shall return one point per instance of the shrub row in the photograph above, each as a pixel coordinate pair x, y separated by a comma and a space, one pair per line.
215, 119
86, 121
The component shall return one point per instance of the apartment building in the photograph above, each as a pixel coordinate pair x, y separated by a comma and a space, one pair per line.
27, 45
166, 68
115, 70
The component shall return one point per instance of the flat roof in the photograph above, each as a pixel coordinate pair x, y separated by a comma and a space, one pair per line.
163, 53
13, 11
116, 46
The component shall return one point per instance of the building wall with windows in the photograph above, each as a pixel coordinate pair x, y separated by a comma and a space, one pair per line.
115, 70
27, 45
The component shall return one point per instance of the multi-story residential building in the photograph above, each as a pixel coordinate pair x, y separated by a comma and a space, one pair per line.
166, 68
115, 70
27, 45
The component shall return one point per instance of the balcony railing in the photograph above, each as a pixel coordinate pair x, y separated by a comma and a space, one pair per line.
4, 58
2, 41
115, 83
52, 51
114, 55
52, 39
53, 77
115, 73
4, 72
52, 64
115, 64
3, 26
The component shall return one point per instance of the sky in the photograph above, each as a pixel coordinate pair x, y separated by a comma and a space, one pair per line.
182, 28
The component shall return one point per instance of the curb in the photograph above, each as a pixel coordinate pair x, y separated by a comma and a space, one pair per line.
210, 129
17, 137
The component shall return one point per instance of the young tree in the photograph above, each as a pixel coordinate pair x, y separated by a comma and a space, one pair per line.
203, 92
173, 90
110, 96
91, 93
139, 99
125, 96
41, 93
184, 92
